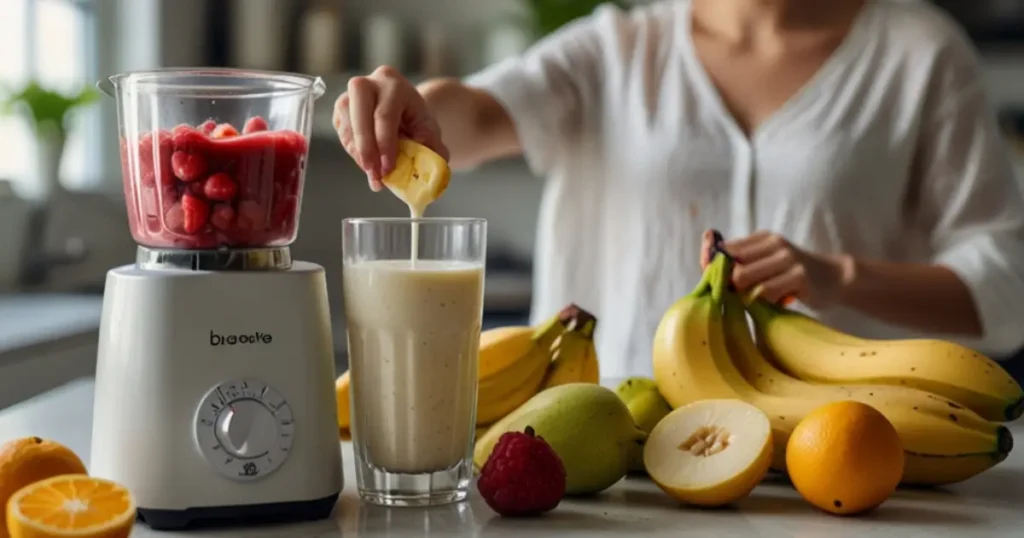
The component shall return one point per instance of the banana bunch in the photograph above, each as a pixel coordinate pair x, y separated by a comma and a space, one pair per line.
703, 349
809, 350
575, 357
518, 362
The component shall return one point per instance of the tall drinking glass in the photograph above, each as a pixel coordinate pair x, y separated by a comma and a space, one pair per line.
413, 307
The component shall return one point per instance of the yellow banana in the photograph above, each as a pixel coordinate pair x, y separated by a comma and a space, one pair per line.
692, 362
756, 366
575, 359
516, 366
812, 351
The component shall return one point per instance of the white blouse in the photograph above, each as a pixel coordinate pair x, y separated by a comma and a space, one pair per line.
890, 152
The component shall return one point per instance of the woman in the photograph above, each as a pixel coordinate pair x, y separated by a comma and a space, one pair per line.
845, 148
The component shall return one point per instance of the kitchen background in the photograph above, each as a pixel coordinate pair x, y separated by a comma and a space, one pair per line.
62, 217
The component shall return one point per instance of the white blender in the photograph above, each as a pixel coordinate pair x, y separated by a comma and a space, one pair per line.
215, 378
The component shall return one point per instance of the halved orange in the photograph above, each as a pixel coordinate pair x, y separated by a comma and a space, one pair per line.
420, 175
66, 506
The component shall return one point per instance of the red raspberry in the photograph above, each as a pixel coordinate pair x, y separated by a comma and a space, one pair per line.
224, 130
195, 211
523, 476
207, 126
255, 124
220, 187
188, 166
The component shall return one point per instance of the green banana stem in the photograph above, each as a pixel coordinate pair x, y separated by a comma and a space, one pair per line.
720, 282
587, 330
546, 334
573, 317
704, 285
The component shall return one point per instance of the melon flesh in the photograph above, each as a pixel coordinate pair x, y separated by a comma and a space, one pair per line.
710, 453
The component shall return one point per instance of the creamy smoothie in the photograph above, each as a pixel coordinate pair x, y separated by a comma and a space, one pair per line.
413, 340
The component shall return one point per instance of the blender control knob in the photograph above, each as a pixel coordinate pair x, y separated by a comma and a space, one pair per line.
244, 429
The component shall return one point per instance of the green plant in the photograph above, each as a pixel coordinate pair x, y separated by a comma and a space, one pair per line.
550, 15
46, 108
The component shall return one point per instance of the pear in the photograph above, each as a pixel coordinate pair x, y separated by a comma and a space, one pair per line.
631, 387
647, 407
587, 425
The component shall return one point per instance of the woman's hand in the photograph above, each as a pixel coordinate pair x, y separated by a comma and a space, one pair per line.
770, 267
374, 112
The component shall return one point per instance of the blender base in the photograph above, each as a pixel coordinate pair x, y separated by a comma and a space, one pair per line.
215, 516
215, 399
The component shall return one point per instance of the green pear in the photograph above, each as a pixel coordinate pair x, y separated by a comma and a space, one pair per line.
647, 410
587, 425
633, 386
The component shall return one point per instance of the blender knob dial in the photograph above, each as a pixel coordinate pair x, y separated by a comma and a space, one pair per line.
244, 429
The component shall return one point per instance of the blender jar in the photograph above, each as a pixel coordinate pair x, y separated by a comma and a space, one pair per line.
213, 158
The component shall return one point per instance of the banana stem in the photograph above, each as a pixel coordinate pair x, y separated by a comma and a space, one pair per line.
573, 317
720, 281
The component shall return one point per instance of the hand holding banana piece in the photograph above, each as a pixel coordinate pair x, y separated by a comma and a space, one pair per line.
770, 267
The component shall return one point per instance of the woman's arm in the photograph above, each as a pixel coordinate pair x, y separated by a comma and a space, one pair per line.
475, 127
925, 297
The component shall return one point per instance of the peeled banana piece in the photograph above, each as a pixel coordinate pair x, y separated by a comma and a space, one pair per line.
692, 362
812, 351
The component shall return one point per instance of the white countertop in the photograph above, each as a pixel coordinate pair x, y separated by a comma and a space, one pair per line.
990, 505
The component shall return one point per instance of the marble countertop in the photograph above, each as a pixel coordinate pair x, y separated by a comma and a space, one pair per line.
989, 505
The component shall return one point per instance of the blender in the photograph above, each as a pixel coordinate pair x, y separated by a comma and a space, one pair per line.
215, 374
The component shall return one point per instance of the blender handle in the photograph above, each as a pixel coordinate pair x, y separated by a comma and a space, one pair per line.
106, 86
319, 88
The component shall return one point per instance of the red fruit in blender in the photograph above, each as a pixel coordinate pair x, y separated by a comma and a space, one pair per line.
246, 197
222, 217
196, 213
207, 126
285, 210
250, 216
190, 139
174, 220
224, 130
255, 124
188, 166
220, 187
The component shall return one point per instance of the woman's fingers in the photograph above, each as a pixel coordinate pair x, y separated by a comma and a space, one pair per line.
762, 270
706, 241
754, 247
781, 287
362, 103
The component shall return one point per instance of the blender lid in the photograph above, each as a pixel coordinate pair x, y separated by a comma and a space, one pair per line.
251, 259
214, 82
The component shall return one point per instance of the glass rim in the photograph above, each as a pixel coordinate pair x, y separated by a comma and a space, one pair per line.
160, 81
410, 220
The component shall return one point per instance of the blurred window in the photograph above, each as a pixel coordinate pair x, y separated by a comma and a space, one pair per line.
52, 42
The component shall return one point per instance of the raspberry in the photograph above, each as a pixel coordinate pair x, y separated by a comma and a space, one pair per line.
220, 187
523, 476
188, 166
224, 130
195, 212
255, 124
207, 126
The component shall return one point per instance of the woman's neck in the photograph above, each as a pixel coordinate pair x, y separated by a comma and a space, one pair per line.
744, 21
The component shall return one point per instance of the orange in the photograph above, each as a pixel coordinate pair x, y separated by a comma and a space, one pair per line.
341, 392
30, 459
845, 458
71, 505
